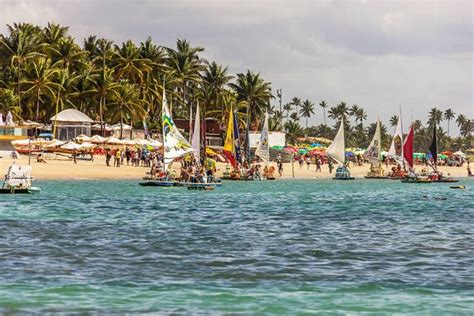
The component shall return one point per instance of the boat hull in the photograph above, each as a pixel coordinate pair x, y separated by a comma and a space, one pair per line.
376, 177
156, 184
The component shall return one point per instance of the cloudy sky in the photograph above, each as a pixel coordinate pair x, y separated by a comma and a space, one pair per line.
377, 54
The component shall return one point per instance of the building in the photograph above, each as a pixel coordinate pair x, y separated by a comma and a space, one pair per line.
71, 123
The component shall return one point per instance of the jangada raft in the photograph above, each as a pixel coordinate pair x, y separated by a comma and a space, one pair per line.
18, 180
337, 151
374, 155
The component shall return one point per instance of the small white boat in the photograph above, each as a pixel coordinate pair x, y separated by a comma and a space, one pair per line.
18, 180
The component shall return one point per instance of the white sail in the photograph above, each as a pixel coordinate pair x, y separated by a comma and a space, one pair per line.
396, 147
175, 145
195, 142
263, 150
373, 152
337, 149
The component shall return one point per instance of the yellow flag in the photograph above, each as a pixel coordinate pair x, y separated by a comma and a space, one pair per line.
229, 139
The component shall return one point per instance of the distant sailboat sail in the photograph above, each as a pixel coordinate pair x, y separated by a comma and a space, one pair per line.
396, 147
263, 150
408, 148
237, 139
373, 152
195, 142
229, 145
174, 143
434, 147
338, 147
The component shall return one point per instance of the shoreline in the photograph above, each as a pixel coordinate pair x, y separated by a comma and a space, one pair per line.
97, 170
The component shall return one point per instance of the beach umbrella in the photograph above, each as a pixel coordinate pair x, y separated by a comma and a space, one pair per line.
302, 151
87, 145
55, 143
156, 143
128, 142
125, 127
83, 138
96, 139
447, 153
460, 154
349, 154
419, 155
142, 142
113, 141
71, 146
441, 156
20, 142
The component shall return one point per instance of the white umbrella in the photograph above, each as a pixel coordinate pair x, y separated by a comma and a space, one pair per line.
55, 143
96, 139
125, 127
156, 143
83, 138
460, 154
128, 142
87, 145
113, 141
71, 146
142, 142
20, 142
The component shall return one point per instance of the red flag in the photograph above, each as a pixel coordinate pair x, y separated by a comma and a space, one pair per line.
408, 148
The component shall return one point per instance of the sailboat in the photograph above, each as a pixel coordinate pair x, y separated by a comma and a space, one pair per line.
396, 152
174, 146
374, 155
411, 177
231, 149
436, 175
263, 151
337, 151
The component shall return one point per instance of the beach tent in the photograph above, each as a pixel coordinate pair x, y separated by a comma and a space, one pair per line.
87, 145
128, 142
71, 123
116, 127
96, 127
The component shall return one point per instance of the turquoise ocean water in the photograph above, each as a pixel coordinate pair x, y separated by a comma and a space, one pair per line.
287, 247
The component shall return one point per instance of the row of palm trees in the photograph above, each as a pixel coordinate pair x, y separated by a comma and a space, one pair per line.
43, 70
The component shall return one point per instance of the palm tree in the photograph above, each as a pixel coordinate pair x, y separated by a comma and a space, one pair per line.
294, 116
449, 115
339, 112
216, 77
353, 111
324, 105
39, 81
253, 90
361, 116
435, 116
393, 120
296, 102
417, 125
9, 102
293, 131
186, 65
104, 88
287, 108
307, 109
128, 63
126, 104
19, 47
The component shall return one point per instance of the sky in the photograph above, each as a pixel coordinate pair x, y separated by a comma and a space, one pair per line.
377, 54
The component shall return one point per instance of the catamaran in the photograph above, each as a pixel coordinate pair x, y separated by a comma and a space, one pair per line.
374, 155
337, 151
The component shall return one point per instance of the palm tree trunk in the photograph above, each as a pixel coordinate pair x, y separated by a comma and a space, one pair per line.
18, 85
101, 101
448, 126
37, 105
121, 122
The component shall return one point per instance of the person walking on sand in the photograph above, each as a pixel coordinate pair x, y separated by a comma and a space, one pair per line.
280, 165
108, 156
330, 165
117, 157
308, 161
318, 164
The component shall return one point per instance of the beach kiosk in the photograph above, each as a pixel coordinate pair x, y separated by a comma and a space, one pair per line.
71, 123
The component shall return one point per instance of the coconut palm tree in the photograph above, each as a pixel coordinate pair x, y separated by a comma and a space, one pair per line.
449, 115
324, 105
216, 78
9, 102
339, 112
296, 102
39, 81
128, 63
253, 90
104, 88
293, 131
126, 104
307, 109
18, 47
393, 120
435, 116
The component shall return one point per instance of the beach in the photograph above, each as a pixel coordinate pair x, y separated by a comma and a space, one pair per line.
65, 169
